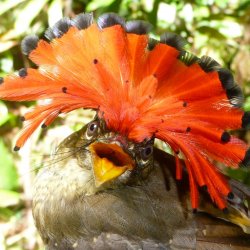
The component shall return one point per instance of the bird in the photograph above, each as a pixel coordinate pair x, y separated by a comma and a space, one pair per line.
76, 206
107, 186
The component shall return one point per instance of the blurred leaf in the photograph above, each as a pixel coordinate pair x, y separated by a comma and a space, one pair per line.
201, 12
96, 4
221, 3
243, 5
164, 8
153, 7
9, 198
24, 18
8, 173
212, 32
6, 45
5, 215
149, 4
55, 12
4, 114
6, 64
247, 104
7, 5
231, 28
242, 174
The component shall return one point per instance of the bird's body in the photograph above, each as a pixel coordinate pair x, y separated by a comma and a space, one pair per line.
67, 205
147, 212
154, 213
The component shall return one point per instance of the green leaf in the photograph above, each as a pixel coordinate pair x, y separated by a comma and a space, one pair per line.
96, 4
9, 198
240, 174
4, 114
27, 14
6, 45
5, 216
55, 12
221, 3
24, 18
6, 64
247, 104
8, 172
211, 32
8, 5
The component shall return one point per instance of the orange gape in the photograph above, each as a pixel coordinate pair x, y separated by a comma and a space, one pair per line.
142, 88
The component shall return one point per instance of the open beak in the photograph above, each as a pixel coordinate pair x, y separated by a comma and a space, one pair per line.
109, 162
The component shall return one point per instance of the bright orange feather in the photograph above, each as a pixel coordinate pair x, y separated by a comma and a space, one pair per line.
140, 93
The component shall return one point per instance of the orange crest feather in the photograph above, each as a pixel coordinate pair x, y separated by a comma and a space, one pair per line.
142, 88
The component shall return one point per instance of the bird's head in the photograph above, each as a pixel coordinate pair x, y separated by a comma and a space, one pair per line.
90, 167
112, 159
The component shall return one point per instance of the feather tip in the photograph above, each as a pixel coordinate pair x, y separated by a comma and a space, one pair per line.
29, 43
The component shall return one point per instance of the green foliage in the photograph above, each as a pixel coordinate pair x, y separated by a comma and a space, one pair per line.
242, 175
8, 173
8, 198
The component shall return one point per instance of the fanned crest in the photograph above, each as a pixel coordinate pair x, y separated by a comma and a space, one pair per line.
142, 88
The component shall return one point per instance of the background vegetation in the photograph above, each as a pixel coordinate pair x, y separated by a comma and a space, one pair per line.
218, 28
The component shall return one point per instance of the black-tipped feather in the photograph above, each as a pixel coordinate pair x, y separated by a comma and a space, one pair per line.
110, 19
152, 43
235, 96
173, 40
241, 198
208, 64
16, 148
22, 72
59, 29
138, 27
29, 43
233, 91
188, 58
82, 21
44, 126
226, 78
225, 137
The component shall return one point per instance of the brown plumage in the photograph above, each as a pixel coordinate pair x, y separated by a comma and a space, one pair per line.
143, 210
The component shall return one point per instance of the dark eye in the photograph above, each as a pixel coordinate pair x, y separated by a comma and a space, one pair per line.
147, 152
92, 129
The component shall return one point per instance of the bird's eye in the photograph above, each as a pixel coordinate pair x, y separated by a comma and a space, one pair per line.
147, 152
92, 129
